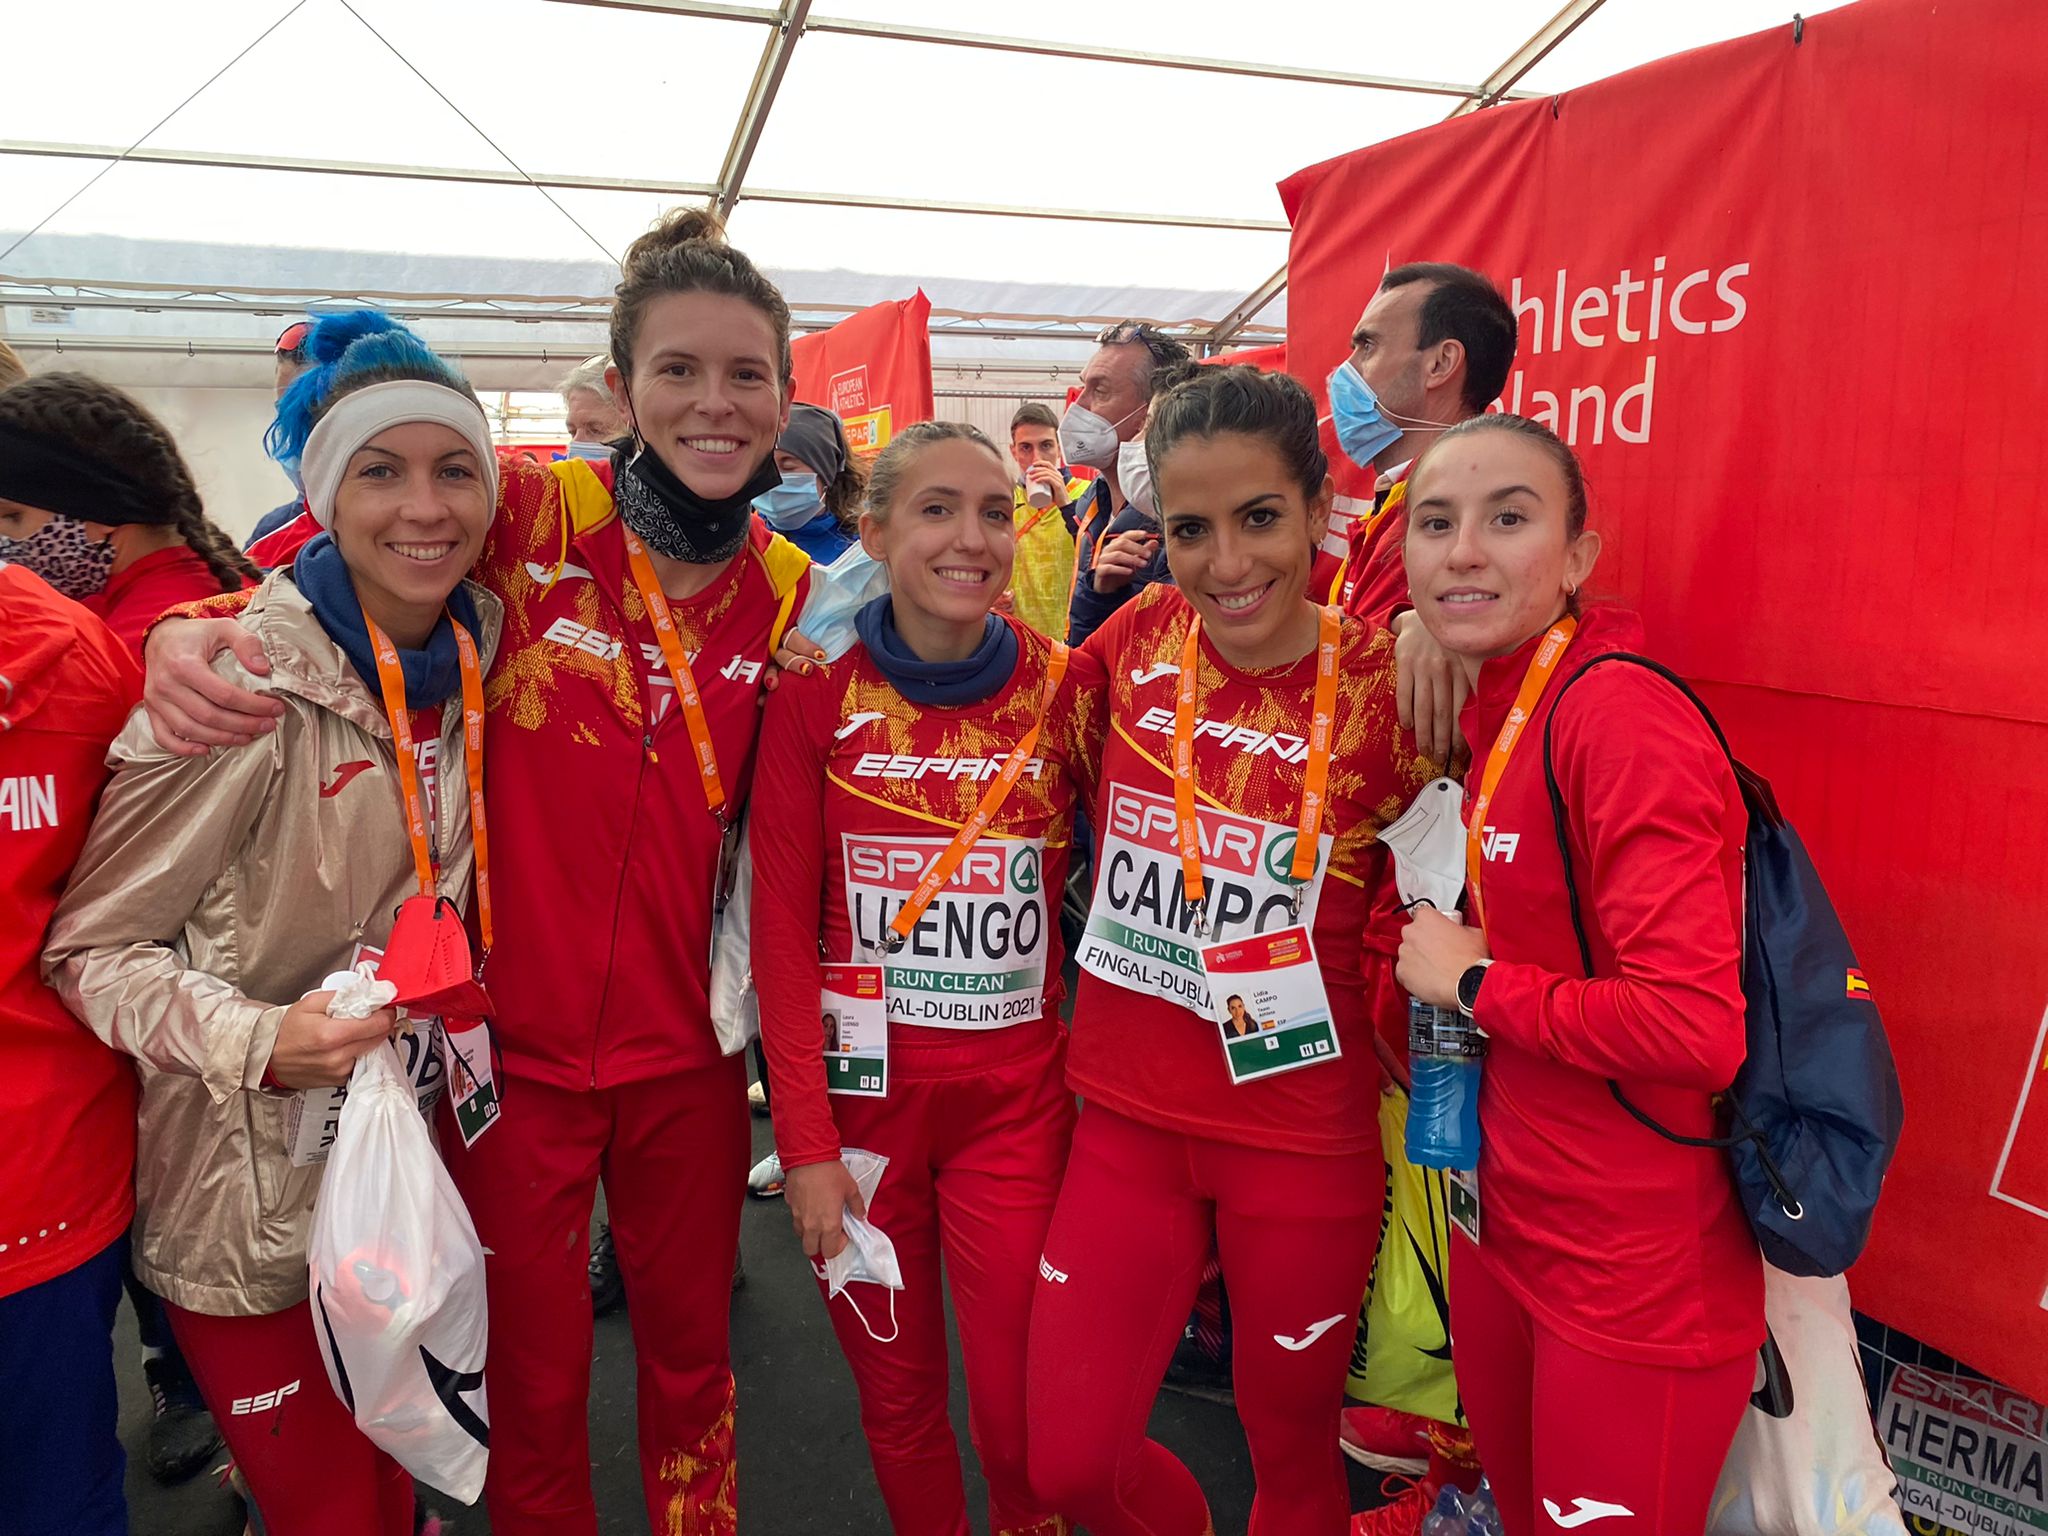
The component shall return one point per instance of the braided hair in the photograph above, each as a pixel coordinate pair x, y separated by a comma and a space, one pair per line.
103, 423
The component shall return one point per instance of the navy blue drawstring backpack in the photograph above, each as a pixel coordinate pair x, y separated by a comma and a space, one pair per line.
1815, 1109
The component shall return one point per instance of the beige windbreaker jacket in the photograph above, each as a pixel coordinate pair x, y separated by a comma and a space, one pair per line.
212, 893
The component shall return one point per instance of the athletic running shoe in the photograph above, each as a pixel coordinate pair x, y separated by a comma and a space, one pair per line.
757, 1098
765, 1182
182, 1436
607, 1285
1385, 1439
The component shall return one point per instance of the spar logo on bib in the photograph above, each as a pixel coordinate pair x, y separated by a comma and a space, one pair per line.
976, 959
1141, 930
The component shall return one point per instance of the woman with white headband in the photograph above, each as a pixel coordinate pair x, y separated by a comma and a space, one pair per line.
215, 893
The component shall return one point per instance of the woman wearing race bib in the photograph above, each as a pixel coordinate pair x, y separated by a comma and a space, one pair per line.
923, 789
1266, 727
1605, 1287
623, 715
215, 893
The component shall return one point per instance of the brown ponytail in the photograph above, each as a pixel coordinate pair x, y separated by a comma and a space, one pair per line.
105, 424
685, 252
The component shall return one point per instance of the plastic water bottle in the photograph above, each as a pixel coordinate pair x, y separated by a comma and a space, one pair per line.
1482, 1515
1448, 1517
1445, 1054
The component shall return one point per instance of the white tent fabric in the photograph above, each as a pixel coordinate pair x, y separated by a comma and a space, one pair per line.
665, 101
175, 182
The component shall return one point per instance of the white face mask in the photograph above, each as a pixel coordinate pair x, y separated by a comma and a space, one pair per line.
1134, 474
1085, 438
869, 1254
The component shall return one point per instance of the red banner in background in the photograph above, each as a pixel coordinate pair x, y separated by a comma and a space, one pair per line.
873, 368
1266, 359
1779, 295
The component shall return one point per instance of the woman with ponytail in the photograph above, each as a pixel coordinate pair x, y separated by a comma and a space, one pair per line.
644, 601
95, 499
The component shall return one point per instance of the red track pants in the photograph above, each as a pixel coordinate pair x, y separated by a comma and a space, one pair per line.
673, 1155
1137, 1213
976, 1131
1573, 1439
310, 1471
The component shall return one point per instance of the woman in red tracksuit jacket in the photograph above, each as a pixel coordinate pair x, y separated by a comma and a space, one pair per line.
605, 836
874, 765
1608, 1300
67, 1159
1188, 1134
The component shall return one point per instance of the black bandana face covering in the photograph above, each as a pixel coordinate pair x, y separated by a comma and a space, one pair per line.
674, 520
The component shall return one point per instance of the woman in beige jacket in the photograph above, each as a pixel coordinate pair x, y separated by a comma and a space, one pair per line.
215, 893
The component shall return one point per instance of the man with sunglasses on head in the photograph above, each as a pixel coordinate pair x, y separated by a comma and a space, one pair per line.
1117, 543
290, 354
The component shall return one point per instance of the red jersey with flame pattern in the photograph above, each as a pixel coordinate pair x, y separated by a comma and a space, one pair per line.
603, 849
858, 790
1139, 1046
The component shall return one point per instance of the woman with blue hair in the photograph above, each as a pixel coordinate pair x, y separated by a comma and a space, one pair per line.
215, 893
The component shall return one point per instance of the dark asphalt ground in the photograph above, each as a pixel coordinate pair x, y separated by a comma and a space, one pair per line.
803, 1463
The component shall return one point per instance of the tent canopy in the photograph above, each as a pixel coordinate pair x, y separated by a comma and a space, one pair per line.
495, 161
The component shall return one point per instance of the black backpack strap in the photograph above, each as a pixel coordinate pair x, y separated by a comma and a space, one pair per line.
1744, 778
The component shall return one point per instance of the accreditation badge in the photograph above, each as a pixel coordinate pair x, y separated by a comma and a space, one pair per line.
472, 1078
856, 1024
1463, 1200
976, 956
1267, 998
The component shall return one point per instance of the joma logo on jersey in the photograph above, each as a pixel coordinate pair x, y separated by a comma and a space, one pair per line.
262, 1401
1230, 844
1499, 845
1289, 749
899, 866
887, 765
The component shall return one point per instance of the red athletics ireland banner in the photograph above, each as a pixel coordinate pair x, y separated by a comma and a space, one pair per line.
874, 368
1782, 294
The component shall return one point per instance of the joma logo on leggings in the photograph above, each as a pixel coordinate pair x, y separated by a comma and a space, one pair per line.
263, 1400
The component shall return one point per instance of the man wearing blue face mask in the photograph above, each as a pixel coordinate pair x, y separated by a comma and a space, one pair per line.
1118, 553
1433, 348
821, 485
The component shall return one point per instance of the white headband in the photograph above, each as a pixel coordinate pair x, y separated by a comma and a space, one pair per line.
358, 417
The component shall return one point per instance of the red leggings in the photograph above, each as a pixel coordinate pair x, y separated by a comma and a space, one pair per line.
976, 1132
673, 1154
1573, 1439
1136, 1216
310, 1471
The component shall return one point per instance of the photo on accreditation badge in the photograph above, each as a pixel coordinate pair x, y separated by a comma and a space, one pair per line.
856, 1029
1267, 998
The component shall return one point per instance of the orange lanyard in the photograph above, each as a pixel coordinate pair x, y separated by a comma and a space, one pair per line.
1315, 777
391, 683
992, 799
1541, 665
679, 671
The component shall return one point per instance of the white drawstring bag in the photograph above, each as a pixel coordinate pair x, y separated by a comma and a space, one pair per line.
397, 1280
1806, 1461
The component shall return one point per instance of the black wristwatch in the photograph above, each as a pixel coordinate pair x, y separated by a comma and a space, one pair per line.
1468, 986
